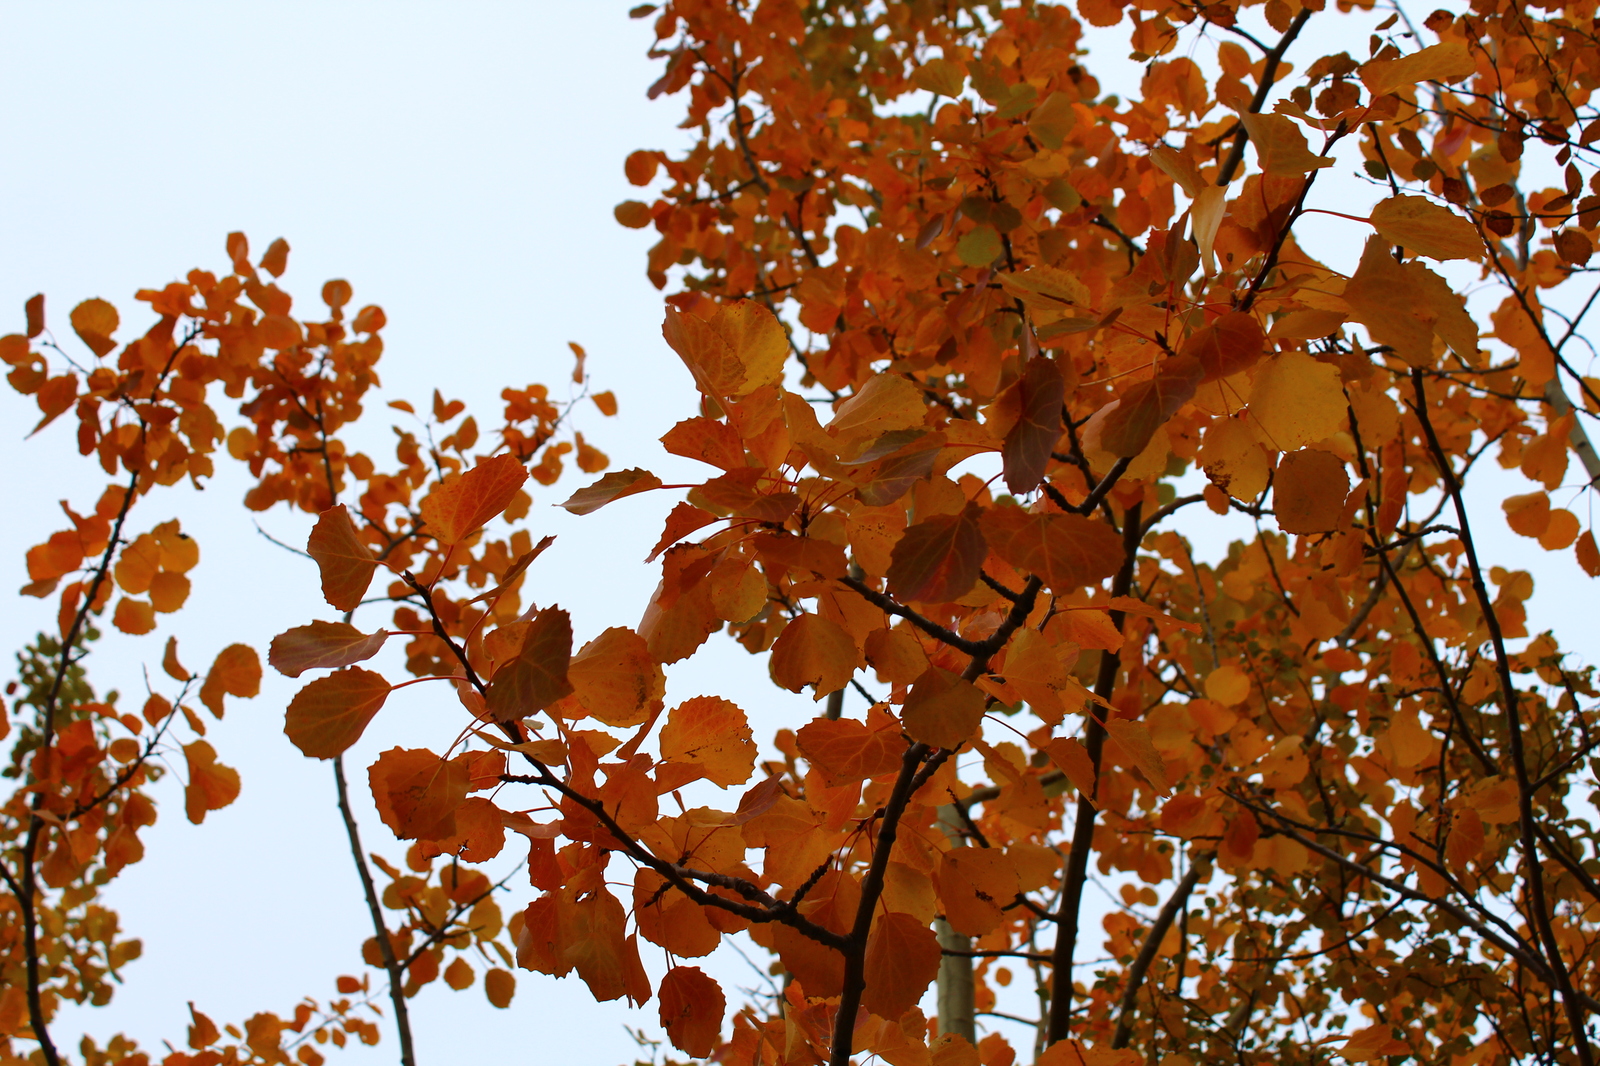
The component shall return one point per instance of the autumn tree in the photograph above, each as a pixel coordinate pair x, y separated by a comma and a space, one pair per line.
982, 350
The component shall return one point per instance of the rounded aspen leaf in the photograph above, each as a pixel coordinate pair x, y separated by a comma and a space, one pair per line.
1309, 490
345, 562
536, 676
235, 672
846, 751
134, 616
1228, 684
712, 734
974, 885
1126, 425
740, 348
1297, 400
813, 650
902, 960
614, 486
615, 679
1422, 226
417, 793
500, 986
1064, 551
94, 321
330, 714
943, 709
692, 1006
938, 559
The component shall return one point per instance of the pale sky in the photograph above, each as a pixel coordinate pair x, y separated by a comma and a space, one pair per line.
458, 165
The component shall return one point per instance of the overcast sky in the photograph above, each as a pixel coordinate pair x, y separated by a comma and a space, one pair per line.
458, 165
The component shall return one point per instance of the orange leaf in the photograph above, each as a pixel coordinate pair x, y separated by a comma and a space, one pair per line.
740, 348
813, 650
713, 735
461, 503
417, 793
1065, 551
711, 442
1073, 759
692, 1006
170, 663
943, 709
1308, 491
1422, 226
614, 486
500, 986
684, 519
95, 321
902, 960
346, 563
1134, 738
537, 676
322, 646
1028, 444
938, 559
236, 671
846, 751
974, 885
134, 616
615, 679
330, 714
211, 786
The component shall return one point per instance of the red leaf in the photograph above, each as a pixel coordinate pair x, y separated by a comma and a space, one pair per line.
461, 503
330, 714
937, 560
345, 562
322, 646
1125, 425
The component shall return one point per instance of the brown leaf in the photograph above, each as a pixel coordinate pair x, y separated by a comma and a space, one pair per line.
1228, 345
417, 793
330, 714
1027, 448
1065, 551
1308, 491
345, 562
1125, 425
943, 709
322, 646
614, 486
537, 676
938, 559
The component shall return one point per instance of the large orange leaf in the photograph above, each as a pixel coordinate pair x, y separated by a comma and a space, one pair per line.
537, 676
1134, 738
461, 503
345, 562
322, 646
614, 486
943, 709
330, 714
740, 348
94, 321
975, 884
236, 672
615, 679
938, 559
211, 786
846, 751
692, 1006
1066, 551
713, 735
813, 650
903, 957
418, 793
1029, 442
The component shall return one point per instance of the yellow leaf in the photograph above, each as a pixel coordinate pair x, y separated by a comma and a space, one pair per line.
1280, 146
1422, 226
1441, 62
1134, 738
1297, 400
712, 734
740, 348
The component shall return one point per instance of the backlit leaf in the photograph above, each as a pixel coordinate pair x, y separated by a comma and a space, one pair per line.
537, 676
211, 786
692, 1006
417, 793
1066, 551
974, 885
235, 672
614, 486
94, 321
345, 562
1028, 445
1125, 425
463, 502
322, 646
1422, 226
903, 957
813, 650
938, 559
943, 709
712, 735
1308, 491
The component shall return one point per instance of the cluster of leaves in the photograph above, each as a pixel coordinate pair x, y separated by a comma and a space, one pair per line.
84, 769
919, 256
